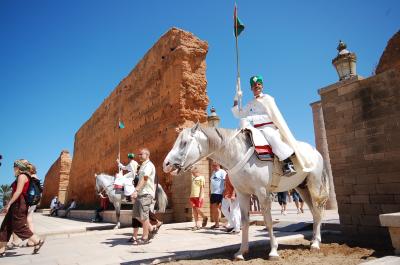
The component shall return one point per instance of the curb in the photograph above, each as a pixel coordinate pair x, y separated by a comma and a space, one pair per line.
222, 249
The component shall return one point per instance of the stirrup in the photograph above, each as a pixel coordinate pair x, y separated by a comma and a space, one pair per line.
288, 170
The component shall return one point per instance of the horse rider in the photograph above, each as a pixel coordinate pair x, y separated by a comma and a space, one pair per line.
263, 114
122, 181
131, 167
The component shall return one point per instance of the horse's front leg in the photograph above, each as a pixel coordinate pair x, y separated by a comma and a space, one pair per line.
265, 201
117, 206
244, 203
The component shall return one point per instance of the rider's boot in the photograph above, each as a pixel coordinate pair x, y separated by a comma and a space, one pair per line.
288, 167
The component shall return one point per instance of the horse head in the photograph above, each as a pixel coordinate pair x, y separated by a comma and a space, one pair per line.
189, 148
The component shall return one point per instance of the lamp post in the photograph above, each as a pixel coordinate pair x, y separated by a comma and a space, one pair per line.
213, 119
345, 62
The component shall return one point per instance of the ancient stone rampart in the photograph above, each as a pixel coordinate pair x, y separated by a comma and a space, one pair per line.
164, 92
56, 180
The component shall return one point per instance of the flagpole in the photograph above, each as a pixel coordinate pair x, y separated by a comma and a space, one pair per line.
238, 86
119, 129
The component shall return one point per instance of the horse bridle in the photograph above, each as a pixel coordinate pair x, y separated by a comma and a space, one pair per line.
180, 166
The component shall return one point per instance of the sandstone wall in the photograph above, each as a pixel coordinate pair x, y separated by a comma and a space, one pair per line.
165, 91
391, 55
56, 180
362, 121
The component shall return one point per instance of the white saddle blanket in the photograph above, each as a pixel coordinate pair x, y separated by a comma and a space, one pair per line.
127, 183
258, 137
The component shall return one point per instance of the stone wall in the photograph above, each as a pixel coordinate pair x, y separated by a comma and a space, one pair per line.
181, 193
362, 121
56, 180
165, 91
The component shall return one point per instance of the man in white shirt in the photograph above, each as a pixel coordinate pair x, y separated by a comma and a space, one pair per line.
144, 194
53, 205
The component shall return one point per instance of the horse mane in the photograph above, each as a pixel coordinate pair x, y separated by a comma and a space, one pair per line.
218, 137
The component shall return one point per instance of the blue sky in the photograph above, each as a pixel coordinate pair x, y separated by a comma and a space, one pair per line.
60, 59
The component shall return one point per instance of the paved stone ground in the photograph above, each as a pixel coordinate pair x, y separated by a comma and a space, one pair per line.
68, 242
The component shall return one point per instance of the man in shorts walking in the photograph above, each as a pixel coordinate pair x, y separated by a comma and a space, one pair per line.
144, 193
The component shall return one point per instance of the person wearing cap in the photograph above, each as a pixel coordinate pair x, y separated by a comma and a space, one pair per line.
131, 167
125, 182
262, 113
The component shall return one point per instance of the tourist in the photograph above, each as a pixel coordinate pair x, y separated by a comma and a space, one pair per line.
53, 205
104, 202
230, 207
197, 198
32, 208
217, 189
71, 207
282, 200
298, 201
16, 210
143, 194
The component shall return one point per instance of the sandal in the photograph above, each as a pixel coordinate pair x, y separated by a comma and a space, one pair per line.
158, 227
131, 240
204, 223
142, 241
37, 246
214, 227
195, 228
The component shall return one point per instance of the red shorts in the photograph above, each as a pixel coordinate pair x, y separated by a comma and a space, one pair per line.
196, 202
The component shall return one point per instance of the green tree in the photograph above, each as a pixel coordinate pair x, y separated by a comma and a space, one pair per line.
5, 194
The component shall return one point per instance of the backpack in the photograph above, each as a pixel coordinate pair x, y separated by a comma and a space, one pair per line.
34, 193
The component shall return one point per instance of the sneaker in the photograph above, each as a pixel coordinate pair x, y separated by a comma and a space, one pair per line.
228, 230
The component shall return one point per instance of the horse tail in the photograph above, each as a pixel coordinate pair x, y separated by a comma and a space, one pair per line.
325, 187
161, 199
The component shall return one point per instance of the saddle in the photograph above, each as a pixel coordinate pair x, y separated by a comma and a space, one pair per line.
264, 152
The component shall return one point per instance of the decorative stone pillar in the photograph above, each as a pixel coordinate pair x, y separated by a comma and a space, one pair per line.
322, 146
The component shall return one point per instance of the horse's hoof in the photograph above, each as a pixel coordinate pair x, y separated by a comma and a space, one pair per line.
273, 258
314, 247
273, 255
238, 257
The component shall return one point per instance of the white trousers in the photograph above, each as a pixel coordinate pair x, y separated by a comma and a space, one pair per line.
231, 210
280, 148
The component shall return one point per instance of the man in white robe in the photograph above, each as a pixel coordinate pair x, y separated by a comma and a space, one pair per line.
126, 181
263, 114
131, 167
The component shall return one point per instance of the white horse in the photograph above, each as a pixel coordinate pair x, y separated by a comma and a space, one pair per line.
105, 183
249, 176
